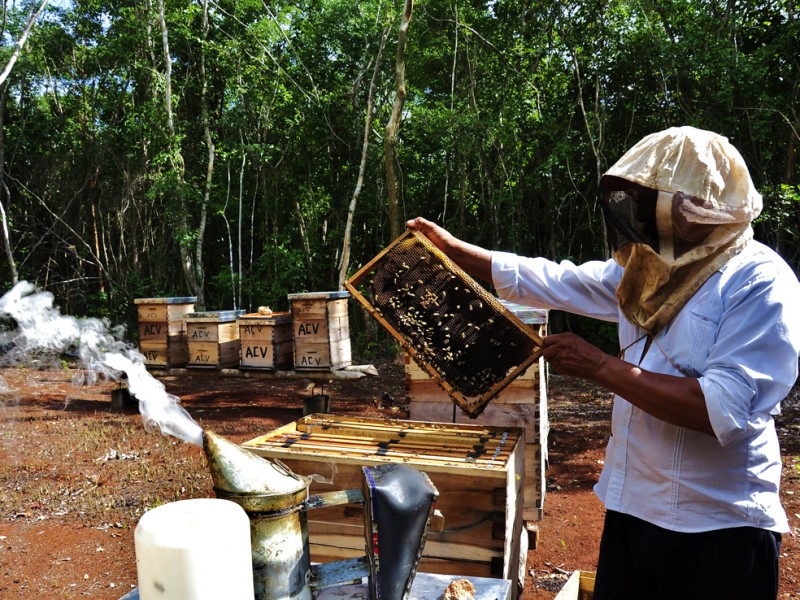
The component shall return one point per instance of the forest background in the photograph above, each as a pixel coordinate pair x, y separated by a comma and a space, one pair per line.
243, 150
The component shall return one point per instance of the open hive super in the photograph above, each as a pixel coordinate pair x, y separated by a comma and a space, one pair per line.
478, 471
461, 335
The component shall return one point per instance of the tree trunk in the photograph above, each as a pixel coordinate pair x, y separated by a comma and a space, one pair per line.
390, 141
301, 225
363, 166
4, 192
599, 134
32, 16
192, 265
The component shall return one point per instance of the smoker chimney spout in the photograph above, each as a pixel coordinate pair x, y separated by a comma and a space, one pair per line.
274, 499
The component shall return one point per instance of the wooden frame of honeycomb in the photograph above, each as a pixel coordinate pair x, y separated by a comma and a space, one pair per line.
454, 329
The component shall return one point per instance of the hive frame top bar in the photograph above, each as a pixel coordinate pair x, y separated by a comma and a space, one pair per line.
500, 333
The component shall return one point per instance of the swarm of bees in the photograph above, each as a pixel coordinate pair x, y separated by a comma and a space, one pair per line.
452, 324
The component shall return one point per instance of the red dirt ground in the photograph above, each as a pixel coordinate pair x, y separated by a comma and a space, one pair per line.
76, 474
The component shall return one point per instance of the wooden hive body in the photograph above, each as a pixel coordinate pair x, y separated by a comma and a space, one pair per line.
162, 330
213, 339
478, 471
321, 330
266, 341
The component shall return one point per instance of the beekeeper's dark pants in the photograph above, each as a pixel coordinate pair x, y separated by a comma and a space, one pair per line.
640, 561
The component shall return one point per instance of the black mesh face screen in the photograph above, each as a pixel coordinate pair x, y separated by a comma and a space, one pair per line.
452, 324
631, 216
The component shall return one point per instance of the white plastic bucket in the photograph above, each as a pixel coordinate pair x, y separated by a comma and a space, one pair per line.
194, 550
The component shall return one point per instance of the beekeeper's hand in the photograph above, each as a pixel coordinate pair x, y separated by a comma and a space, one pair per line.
440, 237
473, 259
572, 356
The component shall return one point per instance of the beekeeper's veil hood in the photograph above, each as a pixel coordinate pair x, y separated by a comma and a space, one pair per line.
679, 205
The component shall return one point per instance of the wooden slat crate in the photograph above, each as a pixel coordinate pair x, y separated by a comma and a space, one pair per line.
522, 403
162, 330
478, 470
457, 332
266, 341
321, 330
213, 339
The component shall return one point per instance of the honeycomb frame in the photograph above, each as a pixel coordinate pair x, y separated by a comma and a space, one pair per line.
446, 321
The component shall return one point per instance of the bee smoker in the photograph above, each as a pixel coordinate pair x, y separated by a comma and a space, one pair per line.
399, 503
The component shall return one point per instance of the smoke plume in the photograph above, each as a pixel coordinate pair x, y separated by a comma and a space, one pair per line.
44, 334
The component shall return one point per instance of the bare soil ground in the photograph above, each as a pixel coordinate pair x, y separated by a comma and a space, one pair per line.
76, 474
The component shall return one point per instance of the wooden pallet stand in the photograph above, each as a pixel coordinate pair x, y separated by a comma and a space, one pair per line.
522, 403
213, 339
478, 471
321, 330
162, 331
266, 341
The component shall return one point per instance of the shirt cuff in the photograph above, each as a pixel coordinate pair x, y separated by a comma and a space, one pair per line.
724, 423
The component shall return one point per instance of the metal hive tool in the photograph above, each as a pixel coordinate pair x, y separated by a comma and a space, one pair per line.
455, 330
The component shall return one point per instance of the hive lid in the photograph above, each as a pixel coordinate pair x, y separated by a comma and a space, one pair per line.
221, 316
319, 295
454, 329
275, 317
176, 300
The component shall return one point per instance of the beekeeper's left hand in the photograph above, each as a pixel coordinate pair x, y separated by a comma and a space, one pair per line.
573, 356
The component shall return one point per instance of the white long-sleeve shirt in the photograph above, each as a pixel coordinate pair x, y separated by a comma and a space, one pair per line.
740, 336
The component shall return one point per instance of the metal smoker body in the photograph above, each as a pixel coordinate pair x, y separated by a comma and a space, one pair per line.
399, 504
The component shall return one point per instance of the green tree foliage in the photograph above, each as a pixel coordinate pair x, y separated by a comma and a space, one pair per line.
513, 111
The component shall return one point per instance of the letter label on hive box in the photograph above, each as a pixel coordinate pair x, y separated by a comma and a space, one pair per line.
201, 334
202, 357
151, 355
253, 329
152, 329
313, 361
308, 329
256, 352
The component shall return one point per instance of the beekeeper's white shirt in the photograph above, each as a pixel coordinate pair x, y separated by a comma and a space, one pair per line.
740, 335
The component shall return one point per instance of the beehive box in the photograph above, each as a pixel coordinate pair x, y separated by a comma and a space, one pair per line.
579, 586
213, 339
478, 470
162, 330
522, 403
266, 341
458, 333
321, 330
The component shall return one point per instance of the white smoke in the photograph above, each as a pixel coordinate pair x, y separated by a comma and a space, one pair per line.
42, 331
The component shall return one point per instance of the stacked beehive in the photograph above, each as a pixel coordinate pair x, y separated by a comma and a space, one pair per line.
321, 330
213, 338
162, 330
522, 403
478, 471
266, 341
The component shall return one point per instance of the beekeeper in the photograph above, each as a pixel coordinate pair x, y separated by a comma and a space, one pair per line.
709, 334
